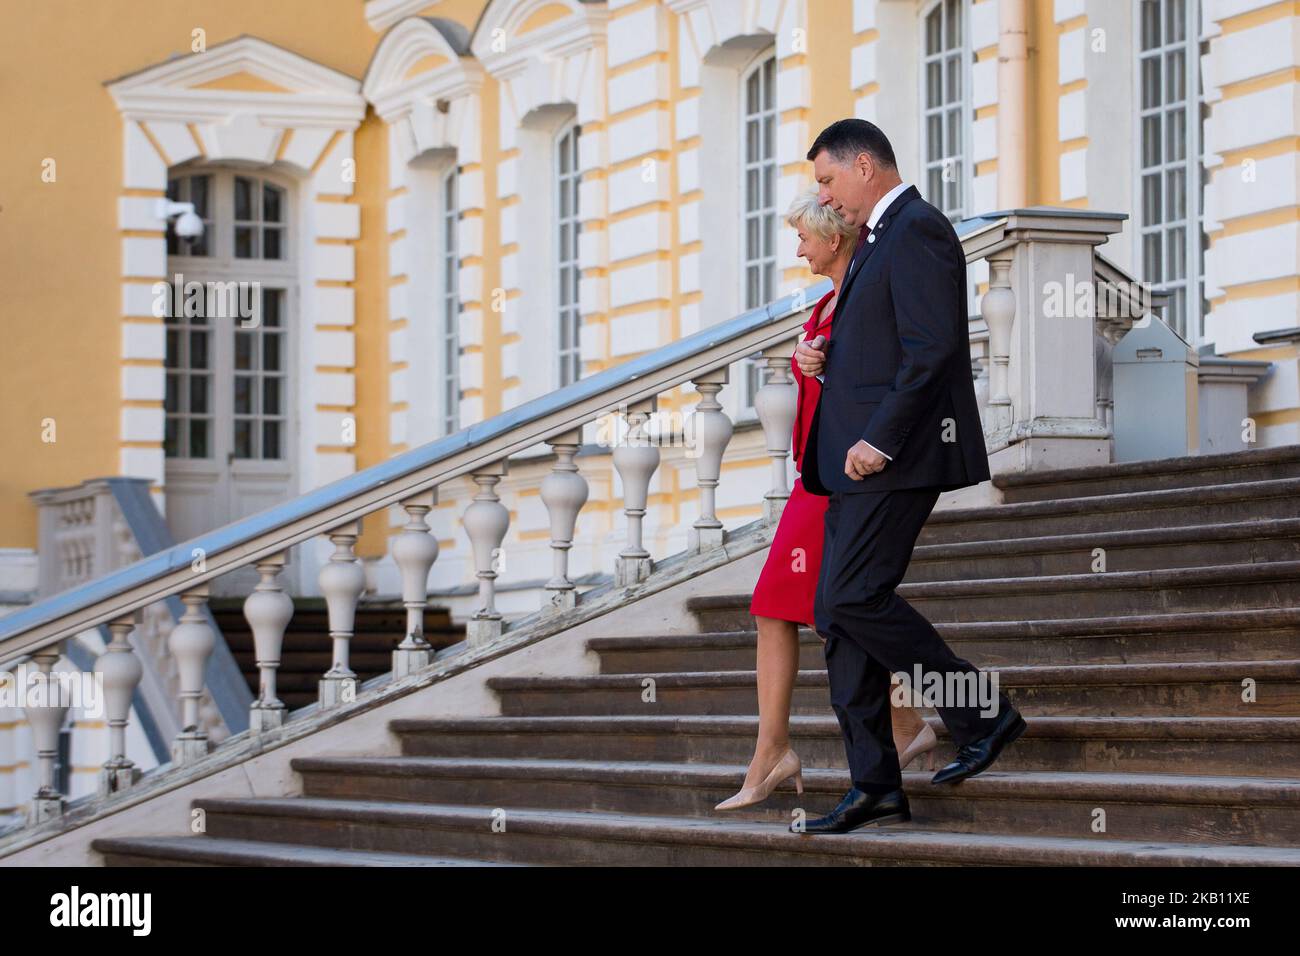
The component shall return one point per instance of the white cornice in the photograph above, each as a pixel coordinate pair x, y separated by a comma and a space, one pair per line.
318, 95
382, 14
583, 29
393, 94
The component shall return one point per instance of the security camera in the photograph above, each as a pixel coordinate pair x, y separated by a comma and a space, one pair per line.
188, 223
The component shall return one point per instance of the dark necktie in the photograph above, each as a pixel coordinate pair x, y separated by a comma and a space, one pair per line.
860, 253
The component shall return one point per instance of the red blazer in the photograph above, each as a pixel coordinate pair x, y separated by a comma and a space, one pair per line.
810, 389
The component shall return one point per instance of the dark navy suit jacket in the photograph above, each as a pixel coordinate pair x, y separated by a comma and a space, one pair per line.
898, 370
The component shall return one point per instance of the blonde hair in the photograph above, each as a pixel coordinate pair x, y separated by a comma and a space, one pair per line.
808, 213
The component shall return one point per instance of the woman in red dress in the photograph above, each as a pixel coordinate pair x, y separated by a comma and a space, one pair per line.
786, 588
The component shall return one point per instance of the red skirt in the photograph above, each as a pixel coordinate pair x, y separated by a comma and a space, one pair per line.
787, 586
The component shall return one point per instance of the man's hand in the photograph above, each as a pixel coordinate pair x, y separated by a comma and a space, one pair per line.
811, 356
863, 460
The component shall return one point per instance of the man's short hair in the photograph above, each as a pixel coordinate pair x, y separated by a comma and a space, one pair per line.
845, 139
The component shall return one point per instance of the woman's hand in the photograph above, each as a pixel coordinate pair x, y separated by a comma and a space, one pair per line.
811, 356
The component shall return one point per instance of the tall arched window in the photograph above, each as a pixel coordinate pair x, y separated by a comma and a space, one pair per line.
944, 125
450, 303
1170, 168
758, 185
568, 272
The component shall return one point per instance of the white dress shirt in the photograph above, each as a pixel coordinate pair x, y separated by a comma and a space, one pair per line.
877, 211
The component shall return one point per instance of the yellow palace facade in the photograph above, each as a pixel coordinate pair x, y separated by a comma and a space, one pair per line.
438, 211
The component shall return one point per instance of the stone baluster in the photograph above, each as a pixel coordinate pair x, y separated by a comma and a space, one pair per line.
191, 642
342, 580
46, 715
1103, 360
710, 431
564, 492
486, 521
120, 670
775, 404
268, 611
635, 460
414, 552
998, 308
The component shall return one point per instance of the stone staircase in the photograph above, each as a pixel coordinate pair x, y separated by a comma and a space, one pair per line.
1132, 679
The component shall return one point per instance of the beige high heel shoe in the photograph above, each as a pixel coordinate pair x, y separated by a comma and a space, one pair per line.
923, 743
788, 766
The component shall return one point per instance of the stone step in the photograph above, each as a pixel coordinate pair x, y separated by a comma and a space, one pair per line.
1242, 542
1252, 634
1069, 596
1165, 807
1102, 690
1195, 471
1170, 508
209, 851
1240, 746
586, 838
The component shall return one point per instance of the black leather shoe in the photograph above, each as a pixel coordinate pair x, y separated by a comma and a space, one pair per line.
976, 756
858, 809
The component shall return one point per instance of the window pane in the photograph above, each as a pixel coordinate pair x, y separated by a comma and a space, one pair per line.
272, 203
1175, 135
1151, 141
200, 432
1151, 204
171, 438
1177, 254
934, 138
1175, 76
271, 395
199, 189
271, 351
271, 244
243, 438
243, 198
1175, 21
271, 439
272, 299
1150, 82
199, 394
933, 83
1150, 24
198, 350
244, 350
245, 242
1175, 194
1152, 262
243, 395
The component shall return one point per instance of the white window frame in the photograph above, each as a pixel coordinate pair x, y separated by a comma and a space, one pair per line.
765, 261
221, 265
449, 339
1191, 325
966, 126
567, 271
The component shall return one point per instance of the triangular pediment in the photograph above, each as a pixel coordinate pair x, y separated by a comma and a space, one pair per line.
248, 58
247, 72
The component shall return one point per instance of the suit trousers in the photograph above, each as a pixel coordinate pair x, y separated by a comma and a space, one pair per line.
872, 633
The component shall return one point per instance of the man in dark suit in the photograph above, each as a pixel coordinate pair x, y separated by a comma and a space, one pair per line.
896, 425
